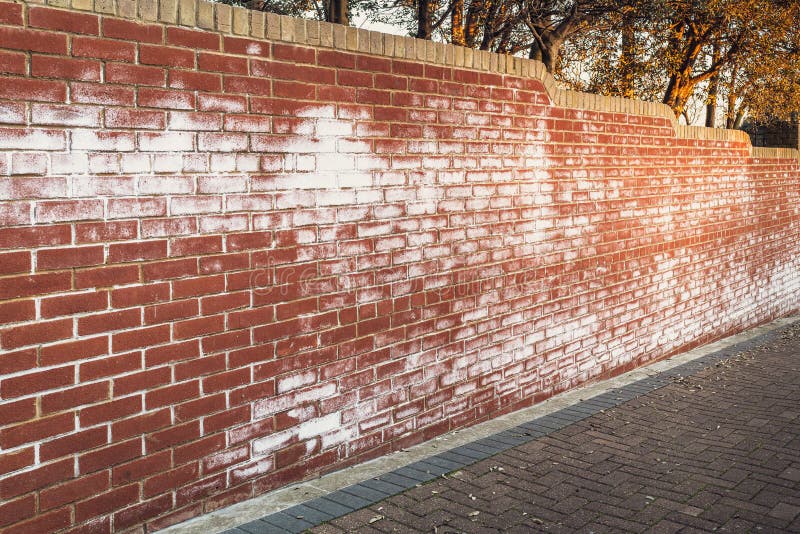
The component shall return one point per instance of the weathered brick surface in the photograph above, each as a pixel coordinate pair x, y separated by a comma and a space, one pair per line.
716, 451
273, 259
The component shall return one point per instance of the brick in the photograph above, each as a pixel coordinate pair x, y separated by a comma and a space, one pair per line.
33, 41
12, 14
169, 311
166, 99
73, 443
34, 334
37, 382
66, 21
132, 31
15, 262
35, 479
193, 121
193, 38
73, 397
110, 231
221, 102
17, 311
106, 502
33, 139
23, 410
171, 353
171, 479
138, 338
106, 276
222, 63
17, 510
49, 114
166, 56
73, 350
12, 63
109, 456
63, 68
144, 250
197, 81
222, 142
31, 432
292, 53
135, 74
19, 459
103, 49
141, 468
166, 142
246, 85
60, 258
141, 381
52, 521
74, 490
68, 210
143, 511
140, 424
125, 208
134, 118
73, 304
102, 140
95, 93
26, 163
172, 394
23, 360
14, 214
110, 365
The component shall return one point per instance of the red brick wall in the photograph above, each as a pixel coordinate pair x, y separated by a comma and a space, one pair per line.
228, 264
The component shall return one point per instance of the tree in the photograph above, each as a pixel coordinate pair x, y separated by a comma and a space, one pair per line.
327, 10
551, 23
679, 51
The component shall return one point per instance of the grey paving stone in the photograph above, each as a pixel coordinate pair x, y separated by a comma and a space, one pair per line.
479, 449
572, 414
411, 471
365, 492
541, 429
455, 457
383, 486
471, 453
446, 462
510, 439
399, 480
287, 523
329, 507
493, 443
257, 527
301, 511
431, 469
349, 500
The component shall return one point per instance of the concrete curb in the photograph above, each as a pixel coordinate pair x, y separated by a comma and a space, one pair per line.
307, 504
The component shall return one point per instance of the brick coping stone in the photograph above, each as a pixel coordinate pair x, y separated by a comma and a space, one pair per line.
239, 21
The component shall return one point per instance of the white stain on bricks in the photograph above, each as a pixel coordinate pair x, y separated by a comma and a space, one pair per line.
308, 430
273, 405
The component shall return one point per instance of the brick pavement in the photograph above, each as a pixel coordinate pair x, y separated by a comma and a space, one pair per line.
717, 450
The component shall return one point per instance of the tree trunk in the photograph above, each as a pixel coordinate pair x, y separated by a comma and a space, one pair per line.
627, 87
547, 54
336, 11
713, 92
457, 23
424, 22
473, 23
730, 115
